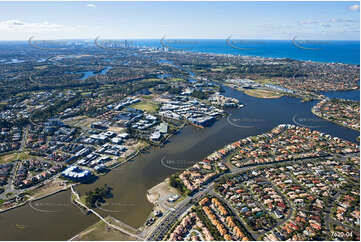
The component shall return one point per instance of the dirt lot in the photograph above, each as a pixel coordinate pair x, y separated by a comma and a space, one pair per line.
80, 121
161, 192
14, 156
53, 186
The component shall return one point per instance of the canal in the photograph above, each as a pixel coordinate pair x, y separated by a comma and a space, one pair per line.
55, 218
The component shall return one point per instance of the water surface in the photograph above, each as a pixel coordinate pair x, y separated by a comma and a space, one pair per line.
131, 181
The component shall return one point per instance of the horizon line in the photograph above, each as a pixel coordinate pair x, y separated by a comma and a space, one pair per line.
184, 38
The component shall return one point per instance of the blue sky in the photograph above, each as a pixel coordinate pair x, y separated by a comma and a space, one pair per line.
215, 20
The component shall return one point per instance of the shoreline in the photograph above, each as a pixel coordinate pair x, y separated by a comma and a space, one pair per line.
115, 166
332, 121
260, 57
132, 156
155, 145
35, 199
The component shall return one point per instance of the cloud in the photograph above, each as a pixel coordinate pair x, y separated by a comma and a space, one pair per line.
90, 5
354, 8
305, 22
327, 23
20, 26
340, 20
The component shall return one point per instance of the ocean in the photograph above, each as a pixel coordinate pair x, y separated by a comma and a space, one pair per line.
330, 51
327, 51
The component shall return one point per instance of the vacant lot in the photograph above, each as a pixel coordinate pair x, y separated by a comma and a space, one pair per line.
13, 156
80, 121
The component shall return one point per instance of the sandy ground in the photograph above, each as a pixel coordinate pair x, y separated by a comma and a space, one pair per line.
117, 129
159, 194
7, 158
53, 186
160, 191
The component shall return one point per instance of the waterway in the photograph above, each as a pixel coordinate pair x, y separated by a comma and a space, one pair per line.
353, 95
87, 74
55, 218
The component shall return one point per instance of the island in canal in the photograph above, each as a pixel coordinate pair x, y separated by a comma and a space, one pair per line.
74, 116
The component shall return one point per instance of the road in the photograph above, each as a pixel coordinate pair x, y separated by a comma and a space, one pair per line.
159, 231
9, 187
254, 234
170, 217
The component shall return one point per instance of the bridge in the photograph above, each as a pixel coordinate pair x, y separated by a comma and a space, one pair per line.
77, 200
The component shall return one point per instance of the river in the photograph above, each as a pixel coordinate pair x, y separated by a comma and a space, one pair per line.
353, 95
58, 219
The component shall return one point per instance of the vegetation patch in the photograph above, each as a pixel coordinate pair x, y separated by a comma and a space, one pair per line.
97, 196
100, 231
175, 182
177, 80
146, 106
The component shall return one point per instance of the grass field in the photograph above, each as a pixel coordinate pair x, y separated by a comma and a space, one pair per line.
147, 106
13, 156
261, 93
85, 93
100, 231
177, 80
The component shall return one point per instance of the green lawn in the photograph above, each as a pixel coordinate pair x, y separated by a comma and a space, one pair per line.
177, 80
100, 231
147, 106
85, 93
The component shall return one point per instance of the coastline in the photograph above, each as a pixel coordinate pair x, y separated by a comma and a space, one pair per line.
135, 154
180, 51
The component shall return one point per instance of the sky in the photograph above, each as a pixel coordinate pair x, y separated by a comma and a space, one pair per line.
195, 20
